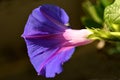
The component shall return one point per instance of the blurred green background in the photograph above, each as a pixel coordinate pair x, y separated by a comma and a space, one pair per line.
87, 63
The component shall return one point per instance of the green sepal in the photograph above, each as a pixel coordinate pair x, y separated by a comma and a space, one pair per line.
104, 35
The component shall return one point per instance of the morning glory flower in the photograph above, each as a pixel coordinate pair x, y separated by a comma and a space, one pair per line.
49, 41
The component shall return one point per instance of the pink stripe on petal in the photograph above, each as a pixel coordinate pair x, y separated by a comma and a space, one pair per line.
53, 55
53, 20
42, 35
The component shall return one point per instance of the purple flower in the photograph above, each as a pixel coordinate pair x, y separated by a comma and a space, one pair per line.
49, 42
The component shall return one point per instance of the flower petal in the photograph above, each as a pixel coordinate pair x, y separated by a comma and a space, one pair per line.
46, 19
39, 44
43, 34
50, 63
55, 12
44, 52
55, 65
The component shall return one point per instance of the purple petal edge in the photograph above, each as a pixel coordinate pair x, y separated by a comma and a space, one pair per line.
53, 65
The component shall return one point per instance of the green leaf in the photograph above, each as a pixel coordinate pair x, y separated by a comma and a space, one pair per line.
112, 13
